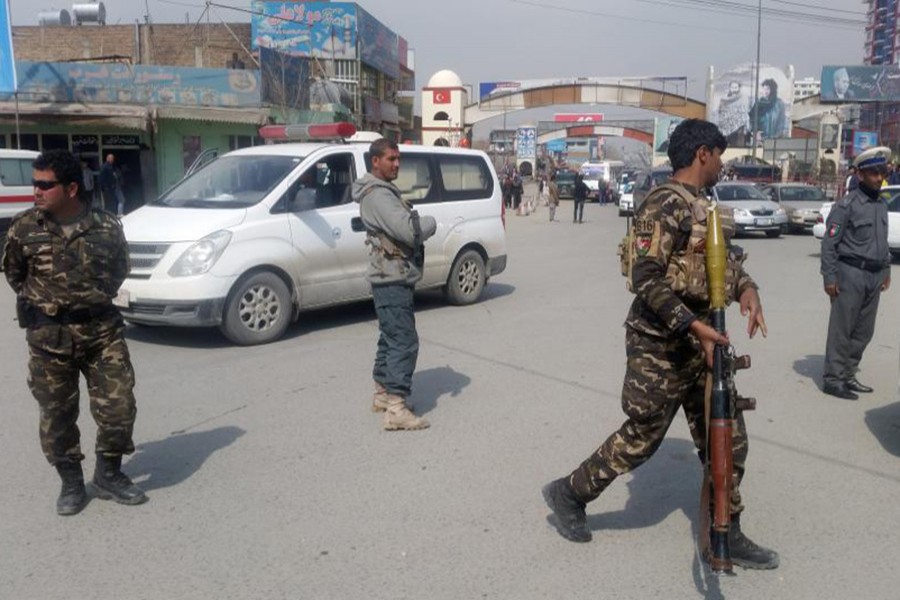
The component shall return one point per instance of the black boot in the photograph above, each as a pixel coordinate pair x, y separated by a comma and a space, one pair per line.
110, 483
745, 553
72, 497
570, 522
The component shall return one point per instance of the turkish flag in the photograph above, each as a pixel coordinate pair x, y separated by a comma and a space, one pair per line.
441, 96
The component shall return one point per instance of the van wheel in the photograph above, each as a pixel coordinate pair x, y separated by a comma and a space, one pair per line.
258, 310
466, 279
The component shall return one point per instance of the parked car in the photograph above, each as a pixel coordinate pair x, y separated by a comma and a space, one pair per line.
565, 183
259, 235
16, 193
626, 199
755, 172
646, 181
753, 210
800, 201
891, 195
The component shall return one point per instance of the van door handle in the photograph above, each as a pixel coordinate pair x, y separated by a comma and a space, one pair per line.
356, 224
336, 233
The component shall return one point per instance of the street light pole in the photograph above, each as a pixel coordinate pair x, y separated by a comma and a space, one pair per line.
756, 88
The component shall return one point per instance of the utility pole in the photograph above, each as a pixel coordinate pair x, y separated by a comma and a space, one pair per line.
756, 88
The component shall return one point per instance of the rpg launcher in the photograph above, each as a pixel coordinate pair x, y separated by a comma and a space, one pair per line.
722, 402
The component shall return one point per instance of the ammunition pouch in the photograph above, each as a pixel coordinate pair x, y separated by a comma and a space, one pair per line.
30, 316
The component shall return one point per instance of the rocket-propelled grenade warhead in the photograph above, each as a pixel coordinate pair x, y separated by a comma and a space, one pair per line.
716, 258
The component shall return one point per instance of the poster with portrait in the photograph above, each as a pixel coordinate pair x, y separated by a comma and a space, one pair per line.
863, 140
663, 129
860, 83
745, 113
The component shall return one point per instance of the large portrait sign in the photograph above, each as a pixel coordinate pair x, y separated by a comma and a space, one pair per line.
860, 83
744, 113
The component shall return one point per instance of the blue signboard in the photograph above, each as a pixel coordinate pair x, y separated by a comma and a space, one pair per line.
488, 89
525, 142
117, 83
321, 29
378, 45
7, 60
556, 145
863, 140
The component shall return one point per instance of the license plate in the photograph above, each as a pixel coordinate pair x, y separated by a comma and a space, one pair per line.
122, 299
765, 221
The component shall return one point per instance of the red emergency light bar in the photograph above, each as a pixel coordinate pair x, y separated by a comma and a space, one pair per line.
330, 131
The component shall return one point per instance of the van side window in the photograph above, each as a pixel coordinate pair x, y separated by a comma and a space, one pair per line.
465, 177
414, 180
15, 171
326, 183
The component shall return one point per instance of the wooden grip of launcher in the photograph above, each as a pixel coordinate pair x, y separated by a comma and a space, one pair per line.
721, 412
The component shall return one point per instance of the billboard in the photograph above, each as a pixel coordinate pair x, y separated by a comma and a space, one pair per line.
863, 140
7, 59
577, 117
320, 29
661, 132
860, 83
378, 45
526, 138
490, 88
734, 103
137, 84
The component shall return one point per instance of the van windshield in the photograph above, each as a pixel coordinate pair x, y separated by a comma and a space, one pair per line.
230, 182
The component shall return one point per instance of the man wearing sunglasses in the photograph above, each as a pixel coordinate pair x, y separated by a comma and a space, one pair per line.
66, 262
856, 268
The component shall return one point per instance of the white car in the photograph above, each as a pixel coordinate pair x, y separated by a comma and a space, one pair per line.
891, 195
753, 210
626, 199
16, 193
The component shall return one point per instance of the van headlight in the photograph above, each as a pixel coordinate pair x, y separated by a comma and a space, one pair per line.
742, 212
201, 256
780, 212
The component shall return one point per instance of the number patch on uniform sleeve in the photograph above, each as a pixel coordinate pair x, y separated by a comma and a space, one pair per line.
835, 230
646, 238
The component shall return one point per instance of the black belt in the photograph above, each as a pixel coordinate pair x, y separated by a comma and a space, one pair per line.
871, 266
34, 317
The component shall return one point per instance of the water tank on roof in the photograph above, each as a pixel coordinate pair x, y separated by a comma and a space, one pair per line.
49, 18
94, 12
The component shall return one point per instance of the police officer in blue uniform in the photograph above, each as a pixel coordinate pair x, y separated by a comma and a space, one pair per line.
856, 268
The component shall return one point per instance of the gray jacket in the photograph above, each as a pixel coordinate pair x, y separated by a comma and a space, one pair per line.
385, 212
856, 230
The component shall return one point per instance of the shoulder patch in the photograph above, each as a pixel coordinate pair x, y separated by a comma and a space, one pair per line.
834, 230
646, 238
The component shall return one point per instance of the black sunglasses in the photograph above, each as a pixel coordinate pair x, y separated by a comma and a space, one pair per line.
44, 185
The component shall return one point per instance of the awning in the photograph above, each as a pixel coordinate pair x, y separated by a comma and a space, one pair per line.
106, 115
246, 116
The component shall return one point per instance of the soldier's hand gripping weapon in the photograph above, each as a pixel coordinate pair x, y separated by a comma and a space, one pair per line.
722, 402
418, 249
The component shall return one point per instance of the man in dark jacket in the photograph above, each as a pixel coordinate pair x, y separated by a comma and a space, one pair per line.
580, 193
395, 236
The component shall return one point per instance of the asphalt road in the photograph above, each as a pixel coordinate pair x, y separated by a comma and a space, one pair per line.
270, 478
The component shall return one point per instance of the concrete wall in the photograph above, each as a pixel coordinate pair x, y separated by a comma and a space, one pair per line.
173, 45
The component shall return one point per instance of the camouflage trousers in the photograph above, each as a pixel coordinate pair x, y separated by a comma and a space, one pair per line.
53, 379
661, 376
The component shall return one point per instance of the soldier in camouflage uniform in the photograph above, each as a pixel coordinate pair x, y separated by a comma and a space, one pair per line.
669, 341
66, 262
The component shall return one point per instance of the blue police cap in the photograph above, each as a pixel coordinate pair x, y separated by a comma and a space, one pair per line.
873, 157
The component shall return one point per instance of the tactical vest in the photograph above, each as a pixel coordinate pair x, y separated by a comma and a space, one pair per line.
686, 270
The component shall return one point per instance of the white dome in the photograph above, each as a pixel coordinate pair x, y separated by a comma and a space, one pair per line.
445, 79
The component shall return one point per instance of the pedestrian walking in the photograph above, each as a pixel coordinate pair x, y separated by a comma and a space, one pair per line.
669, 341
552, 197
66, 261
580, 195
856, 268
517, 189
395, 235
109, 184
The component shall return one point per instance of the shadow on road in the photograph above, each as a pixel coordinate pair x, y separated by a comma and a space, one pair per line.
170, 461
810, 366
884, 423
431, 384
316, 320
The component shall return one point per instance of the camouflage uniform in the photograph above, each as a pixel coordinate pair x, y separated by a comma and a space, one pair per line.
666, 366
65, 281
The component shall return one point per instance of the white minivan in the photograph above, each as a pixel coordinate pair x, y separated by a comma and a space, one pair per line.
16, 193
261, 234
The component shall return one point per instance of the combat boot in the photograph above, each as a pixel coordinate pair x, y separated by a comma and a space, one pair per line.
110, 483
571, 520
72, 497
379, 398
745, 553
397, 416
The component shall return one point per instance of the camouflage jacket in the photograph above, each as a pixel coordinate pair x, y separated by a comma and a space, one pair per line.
663, 229
55, 273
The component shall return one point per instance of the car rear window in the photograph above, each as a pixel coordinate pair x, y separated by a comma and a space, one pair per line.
802, 194
739, 192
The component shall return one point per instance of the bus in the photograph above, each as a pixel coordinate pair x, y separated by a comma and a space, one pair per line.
606, 171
